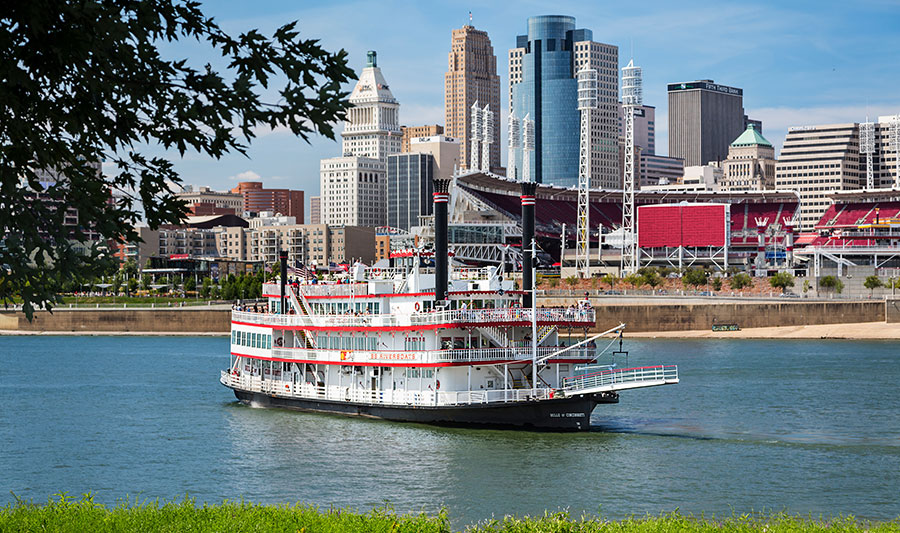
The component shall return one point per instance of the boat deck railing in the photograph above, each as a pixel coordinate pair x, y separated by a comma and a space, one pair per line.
619, 379
429, 357
506, 316
308, 391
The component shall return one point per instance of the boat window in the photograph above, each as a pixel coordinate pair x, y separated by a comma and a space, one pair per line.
428, 373
414, 372
269, 342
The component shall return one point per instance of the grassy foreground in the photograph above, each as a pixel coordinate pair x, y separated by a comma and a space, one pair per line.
67, 514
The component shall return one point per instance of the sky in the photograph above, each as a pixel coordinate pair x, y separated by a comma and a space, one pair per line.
798, 62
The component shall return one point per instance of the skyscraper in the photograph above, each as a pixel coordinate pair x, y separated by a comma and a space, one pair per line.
372, 127
410, 189
704, 117
542, 71
352, 187
816, 161
471, 77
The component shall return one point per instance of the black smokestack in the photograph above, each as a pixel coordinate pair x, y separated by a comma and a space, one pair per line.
441, 199
528, 200
282, 258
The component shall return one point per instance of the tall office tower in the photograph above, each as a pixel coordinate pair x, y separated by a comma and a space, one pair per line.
353, 191
410, 189
644, 128
315, 209
352, 187
372, 127
704, 117
471, 76
542, 70
815, 161
444, 150
750, 165
413, 132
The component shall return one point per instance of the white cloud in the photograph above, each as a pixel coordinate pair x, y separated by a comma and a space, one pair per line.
247, 175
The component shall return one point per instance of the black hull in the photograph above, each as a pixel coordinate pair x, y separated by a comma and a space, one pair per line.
559, 414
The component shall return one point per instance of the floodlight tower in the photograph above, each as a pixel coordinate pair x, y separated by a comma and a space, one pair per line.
487, 137
515, 142
632, 96
527, 147
587, 102
475, 137
867, 147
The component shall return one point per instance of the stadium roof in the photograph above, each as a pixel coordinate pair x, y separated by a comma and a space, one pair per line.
480, 181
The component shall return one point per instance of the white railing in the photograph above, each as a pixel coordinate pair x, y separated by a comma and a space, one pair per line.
376, 273
513, 315
286, 389
620, 378
505, 315
464, 355
470, 273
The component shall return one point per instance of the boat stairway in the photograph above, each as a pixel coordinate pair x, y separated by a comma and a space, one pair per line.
302, 308
619, 379
544, 332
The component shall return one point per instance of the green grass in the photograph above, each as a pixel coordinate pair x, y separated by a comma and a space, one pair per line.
65, 514
80, 516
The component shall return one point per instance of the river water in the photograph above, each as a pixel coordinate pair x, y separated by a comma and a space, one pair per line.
802, 426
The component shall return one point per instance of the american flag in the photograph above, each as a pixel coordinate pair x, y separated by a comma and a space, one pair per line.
300, 270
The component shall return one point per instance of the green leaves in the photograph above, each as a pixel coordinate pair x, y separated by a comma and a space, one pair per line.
85, 82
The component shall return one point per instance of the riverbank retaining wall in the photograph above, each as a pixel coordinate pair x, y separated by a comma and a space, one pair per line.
182, 320
664, 315
676, 317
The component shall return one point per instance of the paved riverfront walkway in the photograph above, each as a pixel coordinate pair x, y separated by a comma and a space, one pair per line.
857, 331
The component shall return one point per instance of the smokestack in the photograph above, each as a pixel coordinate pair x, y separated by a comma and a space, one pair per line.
528, 200
282, 258
441, 277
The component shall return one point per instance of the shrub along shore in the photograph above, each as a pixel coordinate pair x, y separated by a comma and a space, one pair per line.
67, 514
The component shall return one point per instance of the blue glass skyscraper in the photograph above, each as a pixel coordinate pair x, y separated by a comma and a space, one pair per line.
547, 91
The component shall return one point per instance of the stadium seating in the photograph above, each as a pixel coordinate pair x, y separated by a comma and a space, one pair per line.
550, 214
854, 214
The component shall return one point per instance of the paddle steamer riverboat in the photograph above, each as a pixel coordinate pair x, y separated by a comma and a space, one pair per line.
383, 345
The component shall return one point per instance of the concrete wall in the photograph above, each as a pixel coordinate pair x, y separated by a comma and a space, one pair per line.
638, 317
673, 316
892, 310
122, 320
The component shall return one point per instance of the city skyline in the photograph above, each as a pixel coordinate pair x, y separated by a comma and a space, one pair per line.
800, 65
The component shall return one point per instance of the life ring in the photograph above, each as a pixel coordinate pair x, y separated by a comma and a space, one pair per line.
418, 307
437, 385
376, 272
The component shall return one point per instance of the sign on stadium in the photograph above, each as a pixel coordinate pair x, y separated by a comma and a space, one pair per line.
683, 225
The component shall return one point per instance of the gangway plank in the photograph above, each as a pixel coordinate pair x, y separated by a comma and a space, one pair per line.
620, 379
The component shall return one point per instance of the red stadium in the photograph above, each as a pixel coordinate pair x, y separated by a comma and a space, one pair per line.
718, 229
